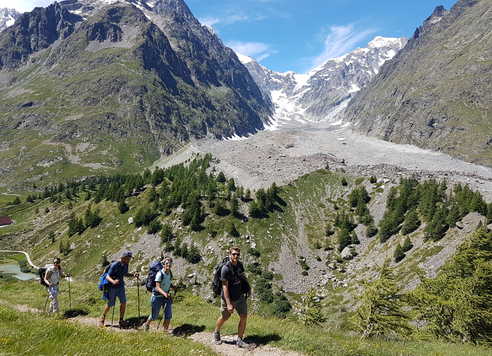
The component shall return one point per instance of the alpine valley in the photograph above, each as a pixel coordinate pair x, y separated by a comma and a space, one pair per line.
360, 192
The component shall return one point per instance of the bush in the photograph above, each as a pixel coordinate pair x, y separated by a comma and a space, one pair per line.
254, 252
154, 227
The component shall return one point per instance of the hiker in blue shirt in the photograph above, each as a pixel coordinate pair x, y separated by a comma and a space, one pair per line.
161, 296
116, 288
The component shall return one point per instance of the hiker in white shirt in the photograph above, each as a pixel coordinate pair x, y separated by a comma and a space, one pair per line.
52, 278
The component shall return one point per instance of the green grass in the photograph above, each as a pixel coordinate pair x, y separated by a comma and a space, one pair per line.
287, 334
32, 334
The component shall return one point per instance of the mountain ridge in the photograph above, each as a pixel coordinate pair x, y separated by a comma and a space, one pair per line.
134, 93
436, 94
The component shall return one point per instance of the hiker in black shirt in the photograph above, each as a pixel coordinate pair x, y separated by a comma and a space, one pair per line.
233, 296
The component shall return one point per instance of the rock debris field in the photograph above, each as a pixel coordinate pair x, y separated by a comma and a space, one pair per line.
283, 155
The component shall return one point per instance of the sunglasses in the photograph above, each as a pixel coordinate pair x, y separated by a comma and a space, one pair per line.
235, 254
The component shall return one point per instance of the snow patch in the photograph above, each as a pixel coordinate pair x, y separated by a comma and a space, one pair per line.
379, 42
244, 59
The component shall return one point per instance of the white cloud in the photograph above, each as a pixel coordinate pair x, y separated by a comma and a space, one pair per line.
24, 5
256, 50
339, 41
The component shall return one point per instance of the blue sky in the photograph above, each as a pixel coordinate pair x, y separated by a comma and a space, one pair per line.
299, 34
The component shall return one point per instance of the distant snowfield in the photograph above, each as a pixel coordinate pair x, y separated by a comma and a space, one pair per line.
286, 153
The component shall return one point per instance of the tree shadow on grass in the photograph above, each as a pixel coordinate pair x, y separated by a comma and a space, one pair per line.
262, 339
187, 330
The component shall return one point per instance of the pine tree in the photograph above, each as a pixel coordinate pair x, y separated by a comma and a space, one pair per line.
166, 233
380, 312
221, 178
411, 222
234, 205
254, 210
437, 227
231, 229
407, 245
457, 304
344, 239
310, 309
398, 255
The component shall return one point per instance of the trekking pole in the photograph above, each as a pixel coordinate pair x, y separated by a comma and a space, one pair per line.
138, 298
69, 292
46, 304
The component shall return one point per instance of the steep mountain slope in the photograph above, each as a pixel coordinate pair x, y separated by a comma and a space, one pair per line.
315, 96
437, 92
110, 89
7, 18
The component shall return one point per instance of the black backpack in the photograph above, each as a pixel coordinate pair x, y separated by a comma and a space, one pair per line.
42, 273
154, 268
217, 283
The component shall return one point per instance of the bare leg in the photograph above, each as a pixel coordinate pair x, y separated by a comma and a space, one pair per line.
103, 316
122, 311
242, 325
220, 322
165, 325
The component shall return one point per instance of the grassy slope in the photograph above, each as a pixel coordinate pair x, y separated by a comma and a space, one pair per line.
287, 334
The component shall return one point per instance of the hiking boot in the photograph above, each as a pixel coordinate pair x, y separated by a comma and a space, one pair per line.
241, 344
123, 324
217, 340
101, 323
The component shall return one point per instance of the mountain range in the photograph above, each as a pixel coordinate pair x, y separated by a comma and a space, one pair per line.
437, 92
113, 85
326, 89
105, 85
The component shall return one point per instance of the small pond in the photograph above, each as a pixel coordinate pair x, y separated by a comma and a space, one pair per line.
14, 270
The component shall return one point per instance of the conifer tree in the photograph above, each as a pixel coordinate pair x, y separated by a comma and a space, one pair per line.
221, 177
411, 222
122, 206
344, 239
407, 245
166, 233
457, 304
310, 309
234, 205
398, 255
231, 229
380, 312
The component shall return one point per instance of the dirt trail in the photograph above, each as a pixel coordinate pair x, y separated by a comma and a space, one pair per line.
23, 252
227, 348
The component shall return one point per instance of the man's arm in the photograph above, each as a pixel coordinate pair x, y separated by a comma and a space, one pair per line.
227, 297
47, 277
108, 276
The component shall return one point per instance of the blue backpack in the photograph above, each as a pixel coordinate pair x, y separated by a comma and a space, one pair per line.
103, 282
154, 268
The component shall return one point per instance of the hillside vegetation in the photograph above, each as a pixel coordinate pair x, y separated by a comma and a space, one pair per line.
309, 247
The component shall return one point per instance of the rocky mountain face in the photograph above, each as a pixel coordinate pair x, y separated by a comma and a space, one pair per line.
7, 18
90, 85
437, 92
317, 95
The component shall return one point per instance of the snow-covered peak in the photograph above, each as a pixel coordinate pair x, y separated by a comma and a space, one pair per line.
244, 59
7, 18
380, 42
